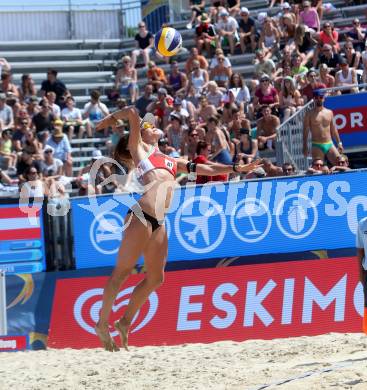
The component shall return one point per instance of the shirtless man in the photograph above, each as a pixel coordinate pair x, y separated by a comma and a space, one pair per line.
320, 121
219, 145
267, 129
205, 110
238, 122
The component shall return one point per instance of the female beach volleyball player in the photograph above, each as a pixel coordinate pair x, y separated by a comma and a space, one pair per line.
146, 235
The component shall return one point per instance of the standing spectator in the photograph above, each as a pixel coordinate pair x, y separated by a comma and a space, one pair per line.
52, 83
357, 35
156, 76
126, 80
220, 73
176, 79
289, 98
219, 145
195, 56
247, 148
319, 121
73, 119
227, 29
144, 45
27, 88
309, 16
43, 122
6, 114
205, 34
346, 77
266, 129
144, 101
55, 108
51, 166
197, 8
247, 30
62, 149
94, 111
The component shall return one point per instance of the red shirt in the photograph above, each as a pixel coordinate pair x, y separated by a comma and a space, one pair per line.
201, 159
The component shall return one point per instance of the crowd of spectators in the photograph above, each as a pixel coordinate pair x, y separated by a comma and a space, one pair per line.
207, 111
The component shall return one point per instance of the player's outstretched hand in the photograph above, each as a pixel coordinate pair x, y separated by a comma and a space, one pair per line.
107, 121
244, 168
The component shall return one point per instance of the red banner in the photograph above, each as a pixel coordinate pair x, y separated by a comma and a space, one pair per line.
13, 343
350, 120
262, 301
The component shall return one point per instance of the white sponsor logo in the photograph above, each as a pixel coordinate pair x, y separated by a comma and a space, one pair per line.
8, 344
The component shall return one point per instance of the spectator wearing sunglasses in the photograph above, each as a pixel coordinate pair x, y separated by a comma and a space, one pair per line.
318, 167
51, 166
342, 164
144, 41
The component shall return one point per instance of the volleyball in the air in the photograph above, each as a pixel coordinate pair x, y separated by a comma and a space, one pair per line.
168, 41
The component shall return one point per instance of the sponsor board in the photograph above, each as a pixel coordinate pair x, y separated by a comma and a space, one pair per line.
13, 343
261, 301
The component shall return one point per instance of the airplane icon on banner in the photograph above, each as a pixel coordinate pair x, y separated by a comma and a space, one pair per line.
201, 225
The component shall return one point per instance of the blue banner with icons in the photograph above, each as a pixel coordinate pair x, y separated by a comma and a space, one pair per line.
233, 219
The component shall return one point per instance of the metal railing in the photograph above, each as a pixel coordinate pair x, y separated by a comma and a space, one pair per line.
3, 316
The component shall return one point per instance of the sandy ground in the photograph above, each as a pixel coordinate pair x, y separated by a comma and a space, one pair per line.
334, 361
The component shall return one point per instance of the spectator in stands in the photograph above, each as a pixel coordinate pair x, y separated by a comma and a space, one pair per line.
62, 149
357, 34
197, 8
31, 185
238, 122
156, 76
247, 30
6, 150
219, 145
329, 36
33, 107
214, 61
220, 73
6, 114
353, 57
126, 80
180, 111
144, 101
26, 160
174, 131
5, 179
43, 122
7, 86
144, 45
247, 148
287, 30
305, 44
267, 129
51, 166
190, 139
288, 169
325, 78
205, 110
272, 2
161, 107
287, 10
320, 122
198, 79
227, 31
346, 77
205, 35
214, 94
342, 164
269, 38
94, 111
176, 79
318, 167
289, 98
31, 144
52, 83
267, 95
19, 134
298, 70
364, 62
4, 66
166, 149
73, 119
309, 16
263, 66
27, 88
312, 85
195, 56
271, 169
238, 92
55, 108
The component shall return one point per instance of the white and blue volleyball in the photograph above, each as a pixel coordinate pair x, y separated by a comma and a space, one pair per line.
168, 41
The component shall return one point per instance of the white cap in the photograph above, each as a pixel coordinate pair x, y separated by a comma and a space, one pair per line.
97, 154
261, 16
286, 5
245, 10
223, 13
48, 147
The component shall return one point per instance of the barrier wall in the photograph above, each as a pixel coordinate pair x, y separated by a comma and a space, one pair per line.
233, 219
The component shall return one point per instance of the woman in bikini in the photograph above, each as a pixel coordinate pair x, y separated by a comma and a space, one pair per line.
145, 233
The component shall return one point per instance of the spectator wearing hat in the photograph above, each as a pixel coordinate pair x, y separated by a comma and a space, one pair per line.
6, 114
167, 149
195, 56
27, 88
50, 165
52, 83
266, 129
205, 34
176, 79
43, 122
62, 149
233, 7
287, 10
144, 101
94, 111
197, 8
144, 42
346, 77
247, 30
156, 76
227, 29
179, 110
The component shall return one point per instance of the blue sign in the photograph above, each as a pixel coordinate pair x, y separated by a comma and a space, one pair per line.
233, 219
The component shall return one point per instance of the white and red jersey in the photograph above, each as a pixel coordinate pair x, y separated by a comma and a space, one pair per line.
156, 160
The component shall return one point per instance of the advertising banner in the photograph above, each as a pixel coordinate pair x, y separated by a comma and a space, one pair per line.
233, 219
21, 239
262, 301
350, 117
13, 343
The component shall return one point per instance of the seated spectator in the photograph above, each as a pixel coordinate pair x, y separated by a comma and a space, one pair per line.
287, 10
305, 44
176, 79
358, 35
219, 144
289, 98
43, 122
174, 132
238, 92
62, 149
214, 94
156, 76
27, 88
318, 167
197, 9
266, 129
166, 149
342, 164
325, 78
269, 38
194, 57
6, 114
238, 123
247, 30
55, 108
271, 169
52, 83
205, 110
51, 166
227, 31
94, 111
20, 134
288, 30
263, 66
312, 85
31, 144
329, 36
6, 150
288, 169
267, 95
298, 70
180, 111
4, 65
233, 7
144, 101
32, 185
5, 180
214, 61
7, 87
203, 151
198, 79
161, 107
33, 107
126, 80
364, 62
144, 42
73, 119
24, 161
205, 35
247, 148
346, 77
190, 140
309, 16
220, 73
353, 57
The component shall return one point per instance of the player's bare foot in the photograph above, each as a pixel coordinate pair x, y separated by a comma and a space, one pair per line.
123, 329
105, 337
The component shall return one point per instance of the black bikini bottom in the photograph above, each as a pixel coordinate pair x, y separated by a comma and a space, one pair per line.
153, 221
